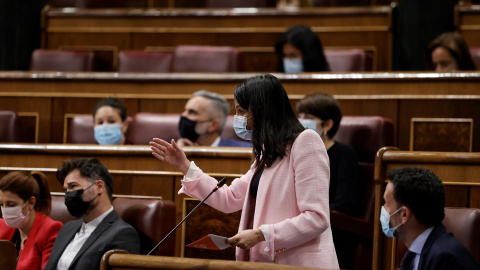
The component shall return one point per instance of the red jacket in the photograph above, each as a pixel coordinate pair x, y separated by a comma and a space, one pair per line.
38, 246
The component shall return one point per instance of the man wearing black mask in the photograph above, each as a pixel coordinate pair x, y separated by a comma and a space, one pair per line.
81, 243
203, 120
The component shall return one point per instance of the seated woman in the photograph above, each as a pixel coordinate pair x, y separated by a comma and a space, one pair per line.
448, 53
300, 50
110, 122
25, 201
322, 113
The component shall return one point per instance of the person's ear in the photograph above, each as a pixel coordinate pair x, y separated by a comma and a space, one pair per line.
406, 214
327, 125
100, 186
31, 202
213, 126
125, 126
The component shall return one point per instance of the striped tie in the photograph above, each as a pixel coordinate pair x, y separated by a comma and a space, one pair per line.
407, 261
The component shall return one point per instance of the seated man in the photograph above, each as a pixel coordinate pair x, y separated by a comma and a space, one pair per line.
81, 243
413, 211
203, 121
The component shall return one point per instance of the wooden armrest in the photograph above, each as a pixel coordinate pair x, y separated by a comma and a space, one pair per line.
351, 224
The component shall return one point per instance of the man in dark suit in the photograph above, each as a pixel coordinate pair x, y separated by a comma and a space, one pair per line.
80, 244
413, 211
203, 120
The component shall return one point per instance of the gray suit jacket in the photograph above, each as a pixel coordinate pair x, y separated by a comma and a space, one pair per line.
111, 233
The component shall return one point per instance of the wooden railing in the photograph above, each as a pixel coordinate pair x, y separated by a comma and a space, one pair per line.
460, 173
118, 259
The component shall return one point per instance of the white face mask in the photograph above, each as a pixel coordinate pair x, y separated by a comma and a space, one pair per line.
293, 65
240, 127
14, 217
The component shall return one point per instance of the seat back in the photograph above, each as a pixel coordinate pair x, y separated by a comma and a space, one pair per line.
349, 60
475, 53
464, 223
79, 129
206, 59
366, 134
8, 126
152, 217
142, 61
8, 259
146, 126
53, 60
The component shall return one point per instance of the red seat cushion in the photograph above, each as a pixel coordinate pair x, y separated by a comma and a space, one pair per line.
141, 61
206, 59
348, 60
146, 126
53, 60
8, 127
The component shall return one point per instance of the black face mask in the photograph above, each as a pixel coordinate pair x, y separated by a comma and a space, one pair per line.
186, 127
75, 204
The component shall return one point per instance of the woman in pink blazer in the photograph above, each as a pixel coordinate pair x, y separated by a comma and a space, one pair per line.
284, 195
25, 201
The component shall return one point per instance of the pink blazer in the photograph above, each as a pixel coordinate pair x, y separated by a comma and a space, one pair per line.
292, 200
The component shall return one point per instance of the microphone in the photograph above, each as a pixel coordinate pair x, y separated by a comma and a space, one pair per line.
219, 185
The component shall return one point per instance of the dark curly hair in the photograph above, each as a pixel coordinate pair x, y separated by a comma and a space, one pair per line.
420, 190
90, 168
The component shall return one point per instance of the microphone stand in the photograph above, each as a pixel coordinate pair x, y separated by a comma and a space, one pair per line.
219, 185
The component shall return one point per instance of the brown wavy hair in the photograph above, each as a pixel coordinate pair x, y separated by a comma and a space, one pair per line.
454, 43
26, 185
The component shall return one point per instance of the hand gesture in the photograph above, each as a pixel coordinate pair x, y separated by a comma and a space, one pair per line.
170, 154
246, 239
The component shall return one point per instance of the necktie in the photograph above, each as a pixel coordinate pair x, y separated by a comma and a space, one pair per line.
407, 261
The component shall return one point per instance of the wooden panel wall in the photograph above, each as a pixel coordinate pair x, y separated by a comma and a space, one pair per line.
397, 96
133, 168
358, 27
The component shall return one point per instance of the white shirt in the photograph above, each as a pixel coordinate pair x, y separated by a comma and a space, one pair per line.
216, 142
80, 238
417, 246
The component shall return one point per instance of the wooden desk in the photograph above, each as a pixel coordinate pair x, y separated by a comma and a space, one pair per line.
460, 173
397, 96
109, 31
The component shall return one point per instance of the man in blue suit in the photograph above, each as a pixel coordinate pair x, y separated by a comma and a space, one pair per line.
413, 211
203, 121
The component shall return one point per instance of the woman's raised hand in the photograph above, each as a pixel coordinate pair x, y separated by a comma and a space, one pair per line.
170, 154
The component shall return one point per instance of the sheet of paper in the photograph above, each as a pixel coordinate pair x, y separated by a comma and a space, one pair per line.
211, 241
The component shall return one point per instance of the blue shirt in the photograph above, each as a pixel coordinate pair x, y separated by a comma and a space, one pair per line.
417, 246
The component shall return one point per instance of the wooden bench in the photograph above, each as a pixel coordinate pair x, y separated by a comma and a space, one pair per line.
460, 173
133, 168
108, 32
397, 96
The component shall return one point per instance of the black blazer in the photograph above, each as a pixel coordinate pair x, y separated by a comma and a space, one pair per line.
111, 233
443, 251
